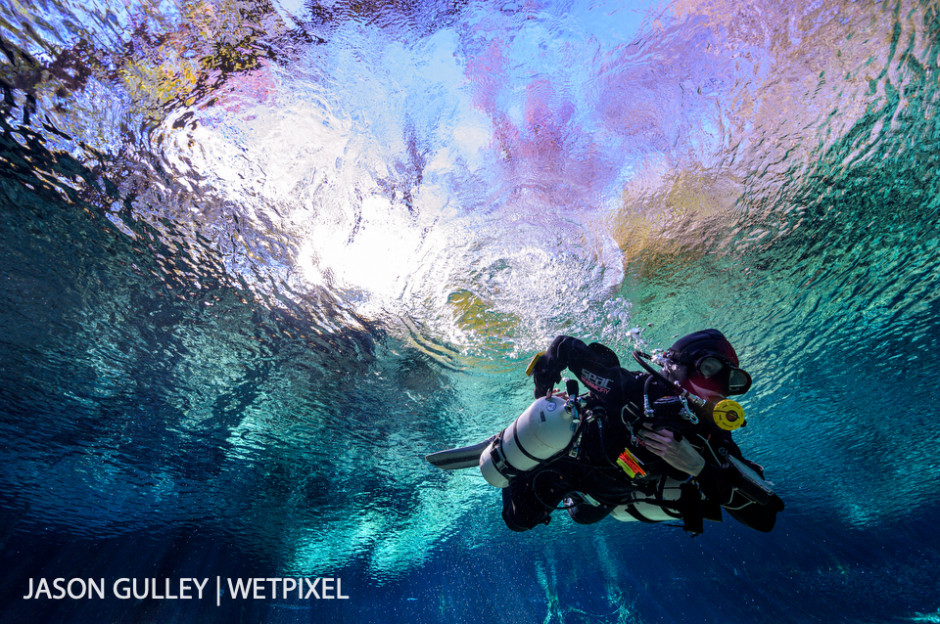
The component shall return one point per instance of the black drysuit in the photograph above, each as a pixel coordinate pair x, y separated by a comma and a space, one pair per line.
613, 415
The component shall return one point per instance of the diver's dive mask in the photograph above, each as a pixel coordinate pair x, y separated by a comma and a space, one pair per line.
737, 381
711, 367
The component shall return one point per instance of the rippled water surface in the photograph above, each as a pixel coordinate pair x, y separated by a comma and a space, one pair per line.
260, 257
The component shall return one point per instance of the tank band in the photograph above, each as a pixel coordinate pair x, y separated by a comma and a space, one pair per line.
515, 436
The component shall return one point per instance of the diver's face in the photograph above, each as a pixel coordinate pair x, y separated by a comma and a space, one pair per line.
712, 389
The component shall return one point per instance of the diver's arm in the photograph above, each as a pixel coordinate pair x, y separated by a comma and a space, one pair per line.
578, 357
723, 484
564, 351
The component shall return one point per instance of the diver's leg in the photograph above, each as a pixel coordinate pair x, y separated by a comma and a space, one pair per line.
529, 501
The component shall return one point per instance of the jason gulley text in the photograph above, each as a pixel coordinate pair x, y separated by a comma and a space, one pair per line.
320, 588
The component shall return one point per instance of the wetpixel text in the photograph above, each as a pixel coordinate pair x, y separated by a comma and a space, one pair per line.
218, 588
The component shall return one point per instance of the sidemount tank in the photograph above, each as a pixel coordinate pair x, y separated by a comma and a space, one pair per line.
544, 429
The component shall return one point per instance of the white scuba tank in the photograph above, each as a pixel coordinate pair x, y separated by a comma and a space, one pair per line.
544, 429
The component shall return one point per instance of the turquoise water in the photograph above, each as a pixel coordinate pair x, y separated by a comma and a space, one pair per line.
260, 258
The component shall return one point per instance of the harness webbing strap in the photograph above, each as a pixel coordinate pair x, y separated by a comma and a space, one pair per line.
515, 436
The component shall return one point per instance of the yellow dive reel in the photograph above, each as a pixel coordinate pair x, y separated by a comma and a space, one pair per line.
729, 415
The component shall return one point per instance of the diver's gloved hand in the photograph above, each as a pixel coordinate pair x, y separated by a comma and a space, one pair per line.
678, 453
543, 374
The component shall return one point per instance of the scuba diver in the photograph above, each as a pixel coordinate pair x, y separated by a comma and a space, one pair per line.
649, 446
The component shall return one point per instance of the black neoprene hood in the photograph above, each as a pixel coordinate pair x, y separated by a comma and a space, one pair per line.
690, 348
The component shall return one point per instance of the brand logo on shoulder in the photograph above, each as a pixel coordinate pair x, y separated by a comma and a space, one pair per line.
596, 382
